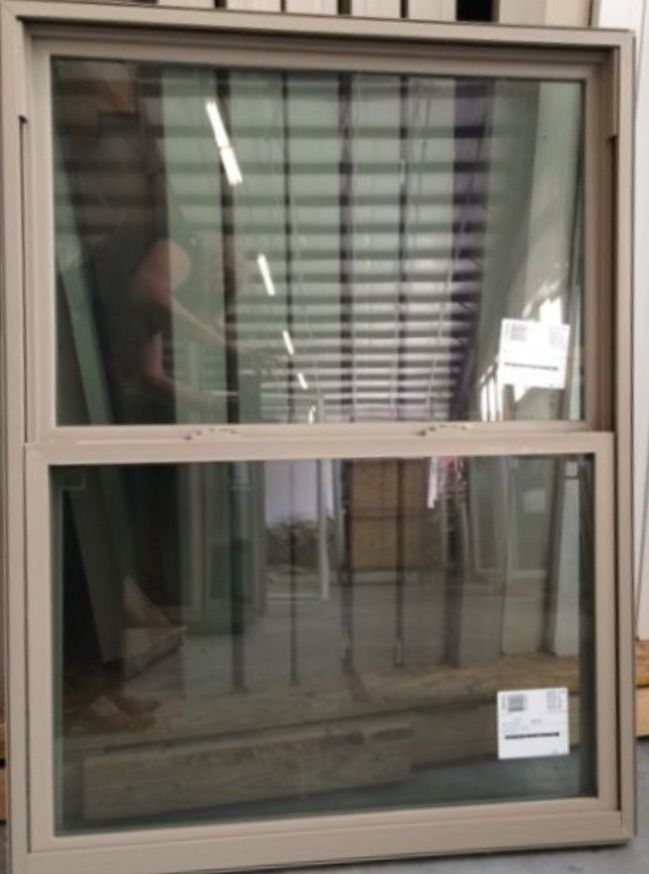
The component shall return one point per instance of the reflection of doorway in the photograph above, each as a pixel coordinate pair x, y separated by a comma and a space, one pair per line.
221, 507
301, 521
511, 552
487, 488
386, 501
529, 566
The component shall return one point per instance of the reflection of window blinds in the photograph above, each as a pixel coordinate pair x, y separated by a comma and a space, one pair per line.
357, 235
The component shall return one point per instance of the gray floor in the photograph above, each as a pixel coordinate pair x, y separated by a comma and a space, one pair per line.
630, 859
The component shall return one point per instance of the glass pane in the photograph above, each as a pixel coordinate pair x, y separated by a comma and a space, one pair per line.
242, 641
283, 246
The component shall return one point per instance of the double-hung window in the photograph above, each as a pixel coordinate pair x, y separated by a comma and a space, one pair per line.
317, 437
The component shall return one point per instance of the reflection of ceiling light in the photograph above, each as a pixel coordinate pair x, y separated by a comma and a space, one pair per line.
302, 380
264, 269
231, 167
312, 414
288, 342
226, 152
220, 133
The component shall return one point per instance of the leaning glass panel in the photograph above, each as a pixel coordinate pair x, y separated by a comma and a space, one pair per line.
244, 641
235, 245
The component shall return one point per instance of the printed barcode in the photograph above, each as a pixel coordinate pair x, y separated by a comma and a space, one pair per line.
516, 703
532, 735
518, 332
558, 337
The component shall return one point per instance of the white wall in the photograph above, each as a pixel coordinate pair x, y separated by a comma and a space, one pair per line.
634, 15
641, 315
291, 490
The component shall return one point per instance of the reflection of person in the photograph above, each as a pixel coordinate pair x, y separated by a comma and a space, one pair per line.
136, 279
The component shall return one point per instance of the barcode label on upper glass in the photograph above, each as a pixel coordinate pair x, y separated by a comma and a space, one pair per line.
533, 723
517, 330
533, 354
516, 703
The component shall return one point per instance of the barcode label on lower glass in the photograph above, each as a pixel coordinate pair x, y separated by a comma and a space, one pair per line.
516, 702
533, 723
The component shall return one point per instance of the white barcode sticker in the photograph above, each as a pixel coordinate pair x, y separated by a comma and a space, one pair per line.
533, 354
533, 723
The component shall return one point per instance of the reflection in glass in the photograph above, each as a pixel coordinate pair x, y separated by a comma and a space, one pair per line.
240, 641
267, 246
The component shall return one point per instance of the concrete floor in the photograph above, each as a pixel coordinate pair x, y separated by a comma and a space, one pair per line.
632, 858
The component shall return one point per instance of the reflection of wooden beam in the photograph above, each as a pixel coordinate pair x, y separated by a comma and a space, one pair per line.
293, 761
388, 695
642, 663
315, 737
642, 712
204, 774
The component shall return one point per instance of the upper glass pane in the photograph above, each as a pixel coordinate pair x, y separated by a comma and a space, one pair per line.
285, 246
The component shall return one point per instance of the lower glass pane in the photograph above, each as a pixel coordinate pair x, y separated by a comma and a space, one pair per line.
241, 641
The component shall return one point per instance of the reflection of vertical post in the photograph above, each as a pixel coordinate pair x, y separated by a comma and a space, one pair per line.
324, 571
346, 355
346, 254
288, 242
237, 544
347, 577
587, 689
339, 522
557, 488
293, 643
290, 375
402, 316
402, 384
239, 506
400, 567
323, 544
229, 262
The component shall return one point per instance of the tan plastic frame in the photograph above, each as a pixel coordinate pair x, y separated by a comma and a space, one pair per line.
32, 443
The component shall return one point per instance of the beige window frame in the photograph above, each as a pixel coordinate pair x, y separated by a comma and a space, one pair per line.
33, 443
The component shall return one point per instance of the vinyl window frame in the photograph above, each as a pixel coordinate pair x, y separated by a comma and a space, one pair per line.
32, 443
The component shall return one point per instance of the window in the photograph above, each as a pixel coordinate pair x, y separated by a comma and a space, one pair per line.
325, 444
